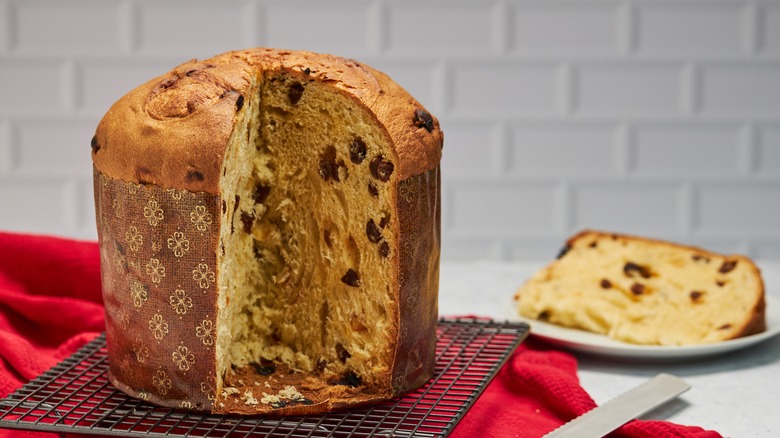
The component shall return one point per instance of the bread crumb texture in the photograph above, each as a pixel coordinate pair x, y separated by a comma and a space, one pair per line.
646, 291
303, 230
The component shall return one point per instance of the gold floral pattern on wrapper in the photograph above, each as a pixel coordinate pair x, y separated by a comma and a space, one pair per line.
158, 272
419, 205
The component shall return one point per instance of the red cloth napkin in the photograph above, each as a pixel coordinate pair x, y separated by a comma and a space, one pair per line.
537, 391
50, 305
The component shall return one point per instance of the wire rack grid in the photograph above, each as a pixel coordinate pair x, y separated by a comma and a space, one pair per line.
76, 397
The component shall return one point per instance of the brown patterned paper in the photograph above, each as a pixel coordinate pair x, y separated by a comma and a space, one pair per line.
159, 286
419, 205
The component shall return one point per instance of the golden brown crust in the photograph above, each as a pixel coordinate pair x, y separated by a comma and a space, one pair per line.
756, 322
173, 130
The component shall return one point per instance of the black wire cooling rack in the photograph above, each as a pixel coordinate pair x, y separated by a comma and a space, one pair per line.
76, 397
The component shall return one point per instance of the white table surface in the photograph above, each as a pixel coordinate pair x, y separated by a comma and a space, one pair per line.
736, 394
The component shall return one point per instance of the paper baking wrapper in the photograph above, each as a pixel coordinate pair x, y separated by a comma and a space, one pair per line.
158, 268
419, 216
158, 264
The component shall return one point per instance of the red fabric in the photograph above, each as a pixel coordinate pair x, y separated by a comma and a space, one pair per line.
537, 391
50, 305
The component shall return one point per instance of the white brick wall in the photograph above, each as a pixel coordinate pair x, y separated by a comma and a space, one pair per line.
567, 29
65, 27
656, 117
690, 29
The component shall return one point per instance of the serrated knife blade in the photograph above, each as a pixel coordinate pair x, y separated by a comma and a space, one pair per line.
603, 419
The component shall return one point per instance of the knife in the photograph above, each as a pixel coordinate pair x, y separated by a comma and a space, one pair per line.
603, 419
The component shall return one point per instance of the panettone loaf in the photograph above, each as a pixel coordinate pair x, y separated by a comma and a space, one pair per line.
269, 234
646, 291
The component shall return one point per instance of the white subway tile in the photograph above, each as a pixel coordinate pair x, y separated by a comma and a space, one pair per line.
568, 28
632, 207
563, 150
84, 221
339, 27
6, 153
192, 29
765, 249
770, 28
103, 82
741, 89
504, 89
30, 87
72, 27
505, 210
86, 232
419, 78
70, 85
746, 209
33, 205
686, 149
768, 151
84, 205
650, 116
628, 89
721, 244
535, 250
5, 27
454, 249
689, 27
471, 150
54, 147
469, 28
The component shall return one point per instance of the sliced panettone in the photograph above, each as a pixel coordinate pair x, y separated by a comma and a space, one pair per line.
269, 233
646, 291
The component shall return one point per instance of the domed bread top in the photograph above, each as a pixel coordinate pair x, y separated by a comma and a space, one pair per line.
173, 130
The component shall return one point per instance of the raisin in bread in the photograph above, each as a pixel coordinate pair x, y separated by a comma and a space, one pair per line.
646, 291
269, 233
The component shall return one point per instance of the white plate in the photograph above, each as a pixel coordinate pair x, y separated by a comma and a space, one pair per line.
588, 342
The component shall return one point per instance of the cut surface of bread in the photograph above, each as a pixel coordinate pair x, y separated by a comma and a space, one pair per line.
646, 291
306, 258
